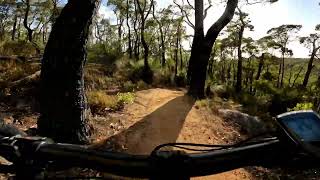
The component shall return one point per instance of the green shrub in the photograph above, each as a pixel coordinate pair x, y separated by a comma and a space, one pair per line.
101, 103
302, 106
125, 98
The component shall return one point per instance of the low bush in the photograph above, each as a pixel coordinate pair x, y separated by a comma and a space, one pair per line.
302, 106
101, 103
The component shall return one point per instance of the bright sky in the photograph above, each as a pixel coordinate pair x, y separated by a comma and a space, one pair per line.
264, 17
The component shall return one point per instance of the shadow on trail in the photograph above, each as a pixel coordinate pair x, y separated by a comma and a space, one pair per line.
160, 126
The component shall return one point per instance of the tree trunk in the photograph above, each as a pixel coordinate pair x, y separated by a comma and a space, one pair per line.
279, 74
129, 33
176, 52
136, 42
25, 21
282, 73
260, 66
63, 103
120, 33
18, 29
163, 47
14, 27
181, 56
239, 70
309, 69
147, 73
202, 46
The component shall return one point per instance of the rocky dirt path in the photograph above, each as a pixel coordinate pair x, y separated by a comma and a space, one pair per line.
161, 116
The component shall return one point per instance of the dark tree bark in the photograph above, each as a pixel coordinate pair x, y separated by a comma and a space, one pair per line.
297, 76
202, 46
240, 59
25, 21
18, 29
282, 72
310, 64
136, 41
147, 73
129, 32
63, 102
181, 56
279, 75
14, 27
176, 50
260, 66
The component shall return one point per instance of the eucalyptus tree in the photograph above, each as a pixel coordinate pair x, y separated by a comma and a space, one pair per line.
241, 23
313, 43
63, 113
144, 9
163, 20
119, 8
282, 36
203, 42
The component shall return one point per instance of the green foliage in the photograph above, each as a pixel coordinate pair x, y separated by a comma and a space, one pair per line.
283, 99
101, 103
125, 98
302, 106
265, 86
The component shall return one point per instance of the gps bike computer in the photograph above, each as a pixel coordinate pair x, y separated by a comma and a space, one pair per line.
302, 127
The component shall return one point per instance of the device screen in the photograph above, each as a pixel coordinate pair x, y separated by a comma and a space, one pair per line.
305, 125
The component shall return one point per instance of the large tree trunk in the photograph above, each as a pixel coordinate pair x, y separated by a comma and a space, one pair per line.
309, 69
202, 46
63, 102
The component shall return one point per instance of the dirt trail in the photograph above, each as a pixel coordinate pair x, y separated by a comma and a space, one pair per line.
160, 116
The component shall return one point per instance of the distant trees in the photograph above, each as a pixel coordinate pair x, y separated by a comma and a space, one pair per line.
238, 27
281, 36
144, 9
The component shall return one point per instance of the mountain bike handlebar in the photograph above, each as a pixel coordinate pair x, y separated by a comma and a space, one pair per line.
164, 164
